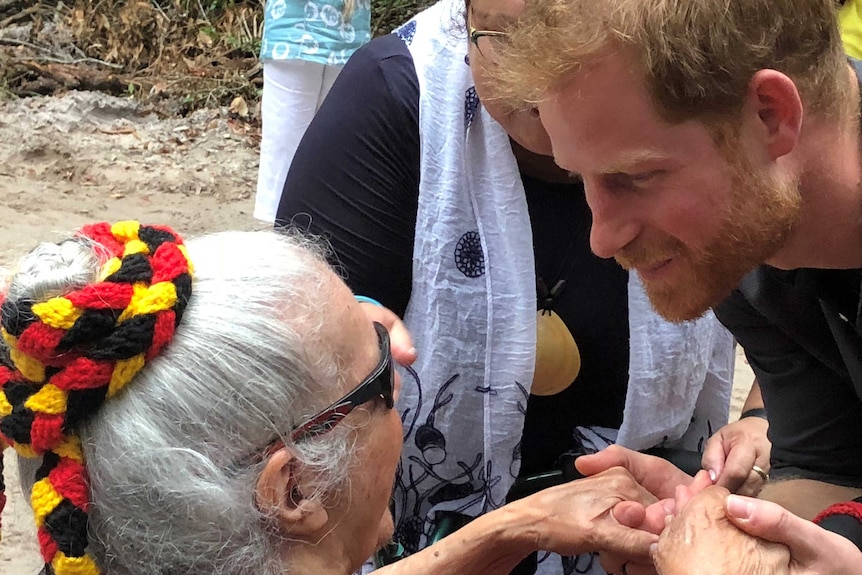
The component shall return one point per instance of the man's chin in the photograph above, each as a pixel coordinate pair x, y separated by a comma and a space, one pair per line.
693, 292
678, 307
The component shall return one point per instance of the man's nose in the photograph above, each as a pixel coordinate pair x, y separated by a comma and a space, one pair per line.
614, 222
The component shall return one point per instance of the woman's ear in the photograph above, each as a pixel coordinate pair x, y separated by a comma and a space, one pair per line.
779, 110
279, 494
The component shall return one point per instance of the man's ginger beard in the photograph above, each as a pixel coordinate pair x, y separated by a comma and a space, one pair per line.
762, 214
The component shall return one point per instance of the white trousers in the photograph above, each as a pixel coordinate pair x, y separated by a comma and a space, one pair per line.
292, 93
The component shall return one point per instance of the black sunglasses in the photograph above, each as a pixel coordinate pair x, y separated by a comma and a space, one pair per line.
379, 384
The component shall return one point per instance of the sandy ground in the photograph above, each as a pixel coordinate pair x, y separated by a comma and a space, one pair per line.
86, 157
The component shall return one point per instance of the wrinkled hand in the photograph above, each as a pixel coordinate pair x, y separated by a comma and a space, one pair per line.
653, 519
813, 550
656, 475
733, 451
399, 338
702, 535
576, 517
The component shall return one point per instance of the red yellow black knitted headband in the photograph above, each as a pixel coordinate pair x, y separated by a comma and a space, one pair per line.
69, 354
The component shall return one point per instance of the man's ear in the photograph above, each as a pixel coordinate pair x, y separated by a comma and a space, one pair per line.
279, 494
773, 97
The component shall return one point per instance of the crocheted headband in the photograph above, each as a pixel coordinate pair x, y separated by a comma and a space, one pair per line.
69, 354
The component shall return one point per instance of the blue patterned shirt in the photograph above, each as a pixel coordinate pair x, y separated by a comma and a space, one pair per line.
314, 30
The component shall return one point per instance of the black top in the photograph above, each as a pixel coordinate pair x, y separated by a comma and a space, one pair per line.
355, 180
802, 333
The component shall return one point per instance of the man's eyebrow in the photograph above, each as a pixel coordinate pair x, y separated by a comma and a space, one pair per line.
625, 161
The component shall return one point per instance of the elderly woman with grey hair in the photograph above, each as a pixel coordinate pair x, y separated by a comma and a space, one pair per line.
231, 416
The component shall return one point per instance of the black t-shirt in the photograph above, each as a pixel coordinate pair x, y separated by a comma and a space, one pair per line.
802, 333
355, 181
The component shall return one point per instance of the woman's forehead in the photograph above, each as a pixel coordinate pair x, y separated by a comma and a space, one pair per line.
352, 330
497, 11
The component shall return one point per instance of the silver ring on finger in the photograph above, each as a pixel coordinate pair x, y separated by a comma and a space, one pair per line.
759, 470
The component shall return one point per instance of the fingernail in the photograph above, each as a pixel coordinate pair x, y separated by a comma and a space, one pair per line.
412, 351
653, 548
703, 472
669, 506
713, 475
739, 507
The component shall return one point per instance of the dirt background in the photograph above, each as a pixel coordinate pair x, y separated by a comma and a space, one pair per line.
86, 156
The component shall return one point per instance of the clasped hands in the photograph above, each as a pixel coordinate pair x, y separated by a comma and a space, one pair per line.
700, 527
646, 516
